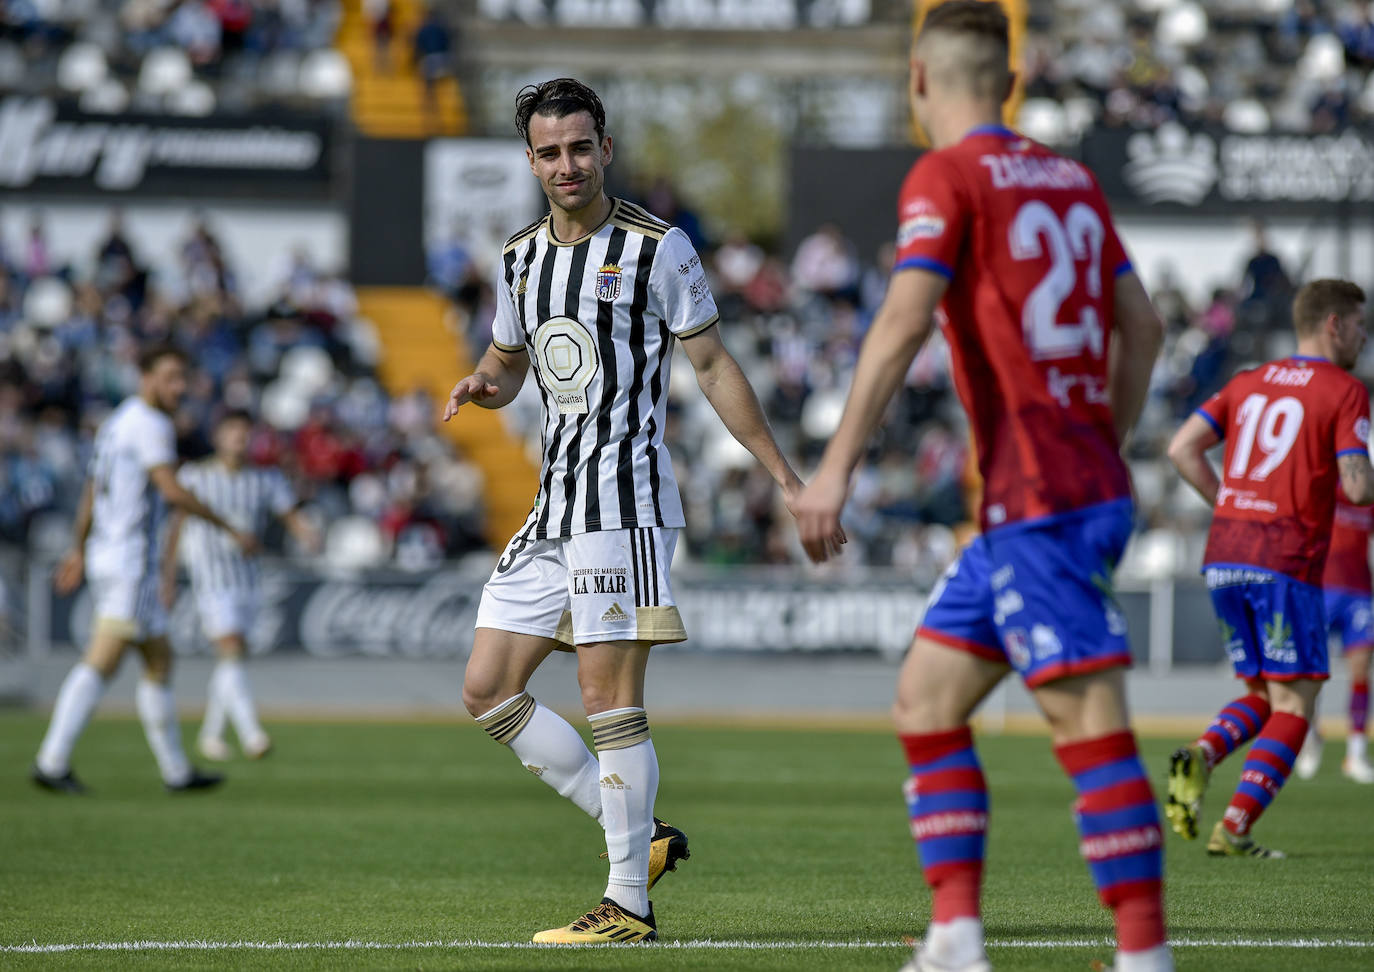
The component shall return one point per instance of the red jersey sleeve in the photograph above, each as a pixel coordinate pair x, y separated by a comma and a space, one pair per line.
932, 217
1217, 411
1352, 422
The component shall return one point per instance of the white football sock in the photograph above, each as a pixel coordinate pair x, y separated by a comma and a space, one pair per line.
158, 713
955, 943
552, 750
76, 700
238, 699
1356, 747
1157, 959
629, 784
212, 726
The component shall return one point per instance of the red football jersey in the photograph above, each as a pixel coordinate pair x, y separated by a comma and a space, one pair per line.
1284, 423
1347, 562
1027, 242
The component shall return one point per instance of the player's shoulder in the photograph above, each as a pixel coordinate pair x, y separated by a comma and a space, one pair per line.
524, 234
637, 219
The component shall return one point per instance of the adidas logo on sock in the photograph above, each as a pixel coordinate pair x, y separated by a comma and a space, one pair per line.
614, 782
616, 614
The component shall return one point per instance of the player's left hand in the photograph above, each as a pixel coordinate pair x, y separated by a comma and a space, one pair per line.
817, 509
70, 570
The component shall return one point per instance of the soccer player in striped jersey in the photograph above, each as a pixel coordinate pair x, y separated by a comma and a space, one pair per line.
1294, 429
224, 581
117, 549
593, 299
1348, 589
1052, 340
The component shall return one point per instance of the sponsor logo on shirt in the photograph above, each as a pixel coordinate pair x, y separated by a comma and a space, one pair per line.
700, 290
921, 220
686, 268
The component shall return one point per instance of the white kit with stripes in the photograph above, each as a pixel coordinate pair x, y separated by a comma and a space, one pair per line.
123, 551
225, 581
598, 317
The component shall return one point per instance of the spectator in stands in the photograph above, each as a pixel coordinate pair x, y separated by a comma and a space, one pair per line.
1265, 287
826, 265
194, 28
381, 22
433, 51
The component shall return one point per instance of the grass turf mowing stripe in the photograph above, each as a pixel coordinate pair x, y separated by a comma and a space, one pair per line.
351, 945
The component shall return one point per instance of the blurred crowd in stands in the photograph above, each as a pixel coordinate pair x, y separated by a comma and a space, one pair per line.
1251, 65
372, 468
183, 56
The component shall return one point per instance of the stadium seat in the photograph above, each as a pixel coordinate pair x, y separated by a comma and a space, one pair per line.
1323, 59
48, 302
354, 542
307, 370
284, 406
1043, 120
280, 74
81, 67
164, 70
196, 98
1182, 25
1247, 117
325, 75
109, 97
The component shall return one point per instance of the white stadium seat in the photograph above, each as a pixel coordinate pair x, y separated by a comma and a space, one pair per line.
325, 75
82, 67
307, 370
1182, 25
1247, 116
1323, 59
354, 542
1043, 120
195, 98
109, 97
164, 70
48, 302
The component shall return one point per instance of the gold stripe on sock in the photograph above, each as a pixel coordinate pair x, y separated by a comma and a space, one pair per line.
620, 732
505, 722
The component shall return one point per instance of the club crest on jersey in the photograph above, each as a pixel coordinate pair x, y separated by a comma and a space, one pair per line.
608, 283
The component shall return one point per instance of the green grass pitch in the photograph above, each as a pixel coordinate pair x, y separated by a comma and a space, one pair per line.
426, 833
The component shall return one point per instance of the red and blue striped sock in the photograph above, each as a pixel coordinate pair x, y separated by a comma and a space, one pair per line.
1266, 769
1359, 706
1121, 840
1235, 725
947, 799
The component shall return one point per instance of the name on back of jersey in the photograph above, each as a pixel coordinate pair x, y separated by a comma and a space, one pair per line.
1288, 377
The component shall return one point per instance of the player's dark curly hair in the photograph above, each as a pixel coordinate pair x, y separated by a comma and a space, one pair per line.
558, 98
149, 355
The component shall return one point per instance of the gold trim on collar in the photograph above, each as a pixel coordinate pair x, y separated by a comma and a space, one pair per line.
548, 227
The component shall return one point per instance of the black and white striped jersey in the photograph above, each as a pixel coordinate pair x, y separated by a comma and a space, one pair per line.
598, 317
244, 498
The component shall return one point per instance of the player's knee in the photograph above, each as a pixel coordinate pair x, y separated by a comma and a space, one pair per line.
157, 663
231, 648
917, 712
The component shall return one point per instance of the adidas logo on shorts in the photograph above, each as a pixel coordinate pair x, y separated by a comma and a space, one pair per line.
616, 614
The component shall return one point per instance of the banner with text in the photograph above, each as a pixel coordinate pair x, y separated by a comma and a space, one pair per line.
51, 147
1174, 170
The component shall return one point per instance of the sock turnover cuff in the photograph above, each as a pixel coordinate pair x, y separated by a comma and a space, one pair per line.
619, 728
504, 722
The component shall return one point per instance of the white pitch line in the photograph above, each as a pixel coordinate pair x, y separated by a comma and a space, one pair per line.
194, 945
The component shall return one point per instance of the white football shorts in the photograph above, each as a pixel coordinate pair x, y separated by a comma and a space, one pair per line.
227, 611
127, 605
590, 588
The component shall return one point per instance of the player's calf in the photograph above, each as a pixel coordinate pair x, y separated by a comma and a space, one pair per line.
1121, 841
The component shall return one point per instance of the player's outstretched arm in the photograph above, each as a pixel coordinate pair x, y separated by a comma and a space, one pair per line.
1357, 478
1188, 452
901, 327
1138, 338
494, 384
178, 496
733, 398
73, 565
